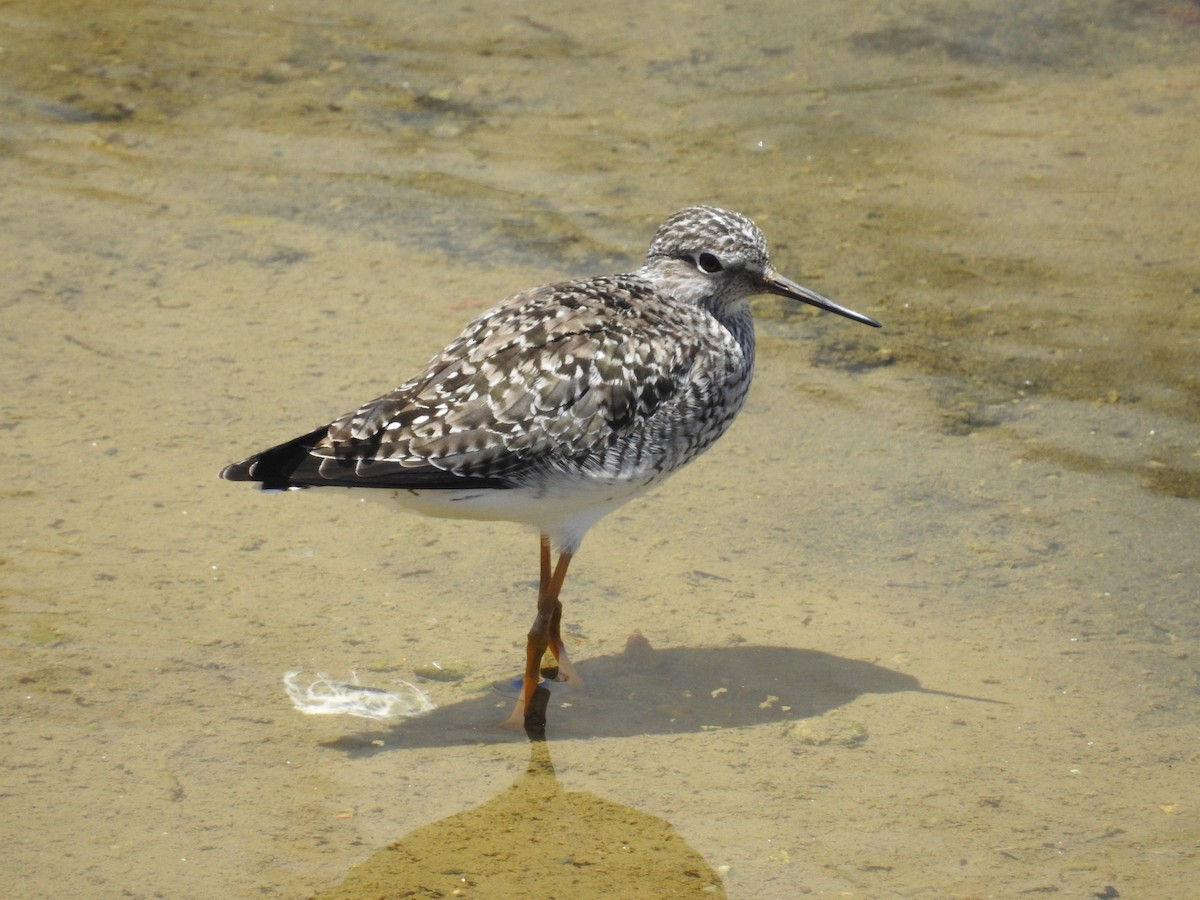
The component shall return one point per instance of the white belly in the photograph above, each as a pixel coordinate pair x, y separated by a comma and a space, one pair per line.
563, 510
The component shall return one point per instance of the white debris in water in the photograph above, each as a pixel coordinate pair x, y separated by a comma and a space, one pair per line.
326, 697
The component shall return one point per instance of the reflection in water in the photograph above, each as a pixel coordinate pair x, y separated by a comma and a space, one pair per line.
537, 840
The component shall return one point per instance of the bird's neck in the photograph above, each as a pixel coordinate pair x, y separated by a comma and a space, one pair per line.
739, 321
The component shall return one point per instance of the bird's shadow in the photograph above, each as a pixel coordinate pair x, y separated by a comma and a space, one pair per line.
648, 691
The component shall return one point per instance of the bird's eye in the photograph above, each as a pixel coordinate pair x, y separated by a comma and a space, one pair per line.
707, 263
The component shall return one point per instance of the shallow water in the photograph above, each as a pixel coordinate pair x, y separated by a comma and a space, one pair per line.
923, 623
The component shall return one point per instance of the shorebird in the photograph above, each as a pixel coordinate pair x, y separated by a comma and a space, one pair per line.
561, 403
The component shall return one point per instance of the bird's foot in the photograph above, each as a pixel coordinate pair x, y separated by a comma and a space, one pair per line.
564, 670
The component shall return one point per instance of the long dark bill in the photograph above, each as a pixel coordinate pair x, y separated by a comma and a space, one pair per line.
775, 283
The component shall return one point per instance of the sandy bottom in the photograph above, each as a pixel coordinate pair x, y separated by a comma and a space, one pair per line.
924, 623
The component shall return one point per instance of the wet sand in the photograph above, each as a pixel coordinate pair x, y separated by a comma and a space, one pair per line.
924, 623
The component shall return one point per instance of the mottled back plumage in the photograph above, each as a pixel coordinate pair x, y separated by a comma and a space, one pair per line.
606, 382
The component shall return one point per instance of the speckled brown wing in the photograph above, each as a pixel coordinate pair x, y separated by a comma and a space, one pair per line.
553, 375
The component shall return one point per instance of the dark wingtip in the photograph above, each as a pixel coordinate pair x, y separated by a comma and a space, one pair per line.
292, 465
239, 471
275, 467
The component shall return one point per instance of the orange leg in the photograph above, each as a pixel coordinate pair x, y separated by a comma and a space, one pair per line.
545, 635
